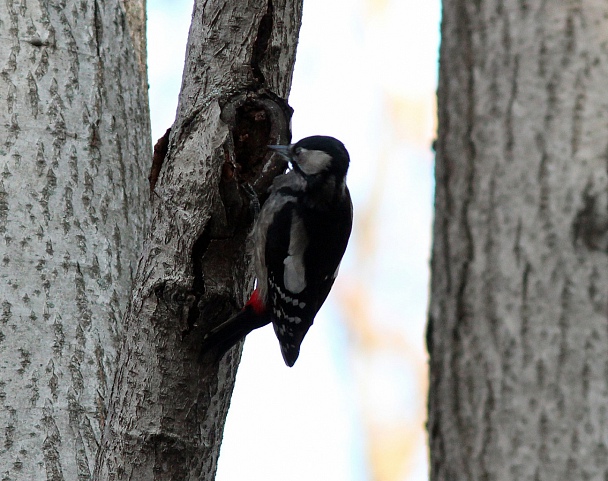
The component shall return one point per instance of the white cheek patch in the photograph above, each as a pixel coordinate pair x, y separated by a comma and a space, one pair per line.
312, 162
294, 274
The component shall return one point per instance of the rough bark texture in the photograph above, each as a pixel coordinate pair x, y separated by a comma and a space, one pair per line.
518, 331
136, 19
167, 410
74, 130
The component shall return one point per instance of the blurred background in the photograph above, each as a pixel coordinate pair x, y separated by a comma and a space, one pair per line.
353, 408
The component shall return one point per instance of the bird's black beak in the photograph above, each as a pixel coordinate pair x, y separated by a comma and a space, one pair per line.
283, 150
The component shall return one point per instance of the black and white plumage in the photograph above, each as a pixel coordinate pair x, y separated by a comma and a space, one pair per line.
299, 239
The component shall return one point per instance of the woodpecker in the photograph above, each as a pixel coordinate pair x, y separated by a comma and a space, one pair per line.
299, 239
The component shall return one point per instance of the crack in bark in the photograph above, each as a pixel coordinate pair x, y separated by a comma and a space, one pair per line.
261, 43
98, 28
527, 349
198, 284
160, 151
590, 224
510, 143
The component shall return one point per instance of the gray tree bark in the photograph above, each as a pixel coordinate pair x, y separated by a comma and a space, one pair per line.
167, 410
74, 151
518, 331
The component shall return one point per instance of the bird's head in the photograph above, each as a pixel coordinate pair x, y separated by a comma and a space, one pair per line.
316, 156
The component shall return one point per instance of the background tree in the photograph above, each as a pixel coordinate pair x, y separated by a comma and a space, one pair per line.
75, 154
517, 329
74, 151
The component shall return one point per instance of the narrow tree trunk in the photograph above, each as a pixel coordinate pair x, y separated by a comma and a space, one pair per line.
74, 143
167, 410
518, 334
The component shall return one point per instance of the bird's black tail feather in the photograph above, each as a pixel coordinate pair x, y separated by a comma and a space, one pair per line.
221, 338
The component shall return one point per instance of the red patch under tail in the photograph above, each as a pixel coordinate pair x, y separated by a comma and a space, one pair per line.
256, 303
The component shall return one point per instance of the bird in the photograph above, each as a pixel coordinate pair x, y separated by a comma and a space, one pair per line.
299, 239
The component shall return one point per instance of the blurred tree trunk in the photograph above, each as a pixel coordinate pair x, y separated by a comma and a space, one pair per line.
518, 331
167, 410
74, 151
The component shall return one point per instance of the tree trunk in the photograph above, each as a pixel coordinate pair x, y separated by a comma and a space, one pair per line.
167, 409
74, 144
518, 336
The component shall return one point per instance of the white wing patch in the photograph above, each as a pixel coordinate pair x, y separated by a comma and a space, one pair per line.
274, 204
294, 274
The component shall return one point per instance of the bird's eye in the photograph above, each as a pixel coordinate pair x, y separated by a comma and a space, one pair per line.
297, 150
